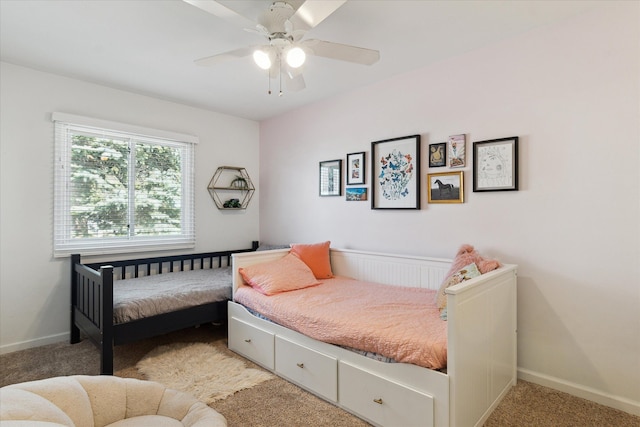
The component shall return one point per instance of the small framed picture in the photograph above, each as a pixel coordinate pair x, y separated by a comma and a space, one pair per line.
446, 187
331, 178
495, 165
356, 194
395, 173
355, 168
437, 155
457, 151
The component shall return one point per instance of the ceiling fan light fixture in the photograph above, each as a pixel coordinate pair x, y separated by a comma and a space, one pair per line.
296, 57
262, 59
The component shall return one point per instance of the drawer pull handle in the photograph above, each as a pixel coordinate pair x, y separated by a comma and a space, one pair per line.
378, 401
300, 365
247, 340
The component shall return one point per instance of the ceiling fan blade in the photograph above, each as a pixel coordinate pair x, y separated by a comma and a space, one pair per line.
259, 29
295, 84
226, 56
342, 52
291, 71
313, 12
223, 12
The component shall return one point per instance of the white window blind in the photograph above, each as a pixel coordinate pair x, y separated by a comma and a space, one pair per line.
121, 188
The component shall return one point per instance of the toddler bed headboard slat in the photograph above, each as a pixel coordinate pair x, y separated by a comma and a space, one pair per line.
168, 264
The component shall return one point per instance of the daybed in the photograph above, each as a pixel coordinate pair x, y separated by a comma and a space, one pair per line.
480, 345
102, 401
147, 310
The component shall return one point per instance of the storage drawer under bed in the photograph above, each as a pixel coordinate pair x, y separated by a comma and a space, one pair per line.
308, 368
382, 401
253, 343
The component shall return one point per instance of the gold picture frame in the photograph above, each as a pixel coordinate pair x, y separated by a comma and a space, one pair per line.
445, 187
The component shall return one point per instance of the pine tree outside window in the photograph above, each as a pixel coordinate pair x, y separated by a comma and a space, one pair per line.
120, 188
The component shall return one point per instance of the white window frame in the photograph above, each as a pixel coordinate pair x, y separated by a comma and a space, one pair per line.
63, 244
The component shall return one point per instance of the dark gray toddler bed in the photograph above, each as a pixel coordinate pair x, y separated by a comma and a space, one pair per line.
124, 301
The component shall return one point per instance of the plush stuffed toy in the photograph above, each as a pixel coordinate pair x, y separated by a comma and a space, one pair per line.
466, 258
466, 255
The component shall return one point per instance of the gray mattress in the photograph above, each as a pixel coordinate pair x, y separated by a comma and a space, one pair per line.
162, 293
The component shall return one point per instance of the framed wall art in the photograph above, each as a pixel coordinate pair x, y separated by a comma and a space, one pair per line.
331, 178
395, 173
355, 168
356, 194
445, 187
457, 151
495, 165
437, 155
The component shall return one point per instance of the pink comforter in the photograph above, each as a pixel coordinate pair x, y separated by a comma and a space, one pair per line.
398, 322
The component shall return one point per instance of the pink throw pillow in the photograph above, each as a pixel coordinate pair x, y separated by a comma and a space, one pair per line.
285, 274
316, 256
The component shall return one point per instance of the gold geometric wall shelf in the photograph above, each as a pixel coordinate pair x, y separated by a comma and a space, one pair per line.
231, 188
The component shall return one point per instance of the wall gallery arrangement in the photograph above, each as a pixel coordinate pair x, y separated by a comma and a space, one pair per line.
395, 171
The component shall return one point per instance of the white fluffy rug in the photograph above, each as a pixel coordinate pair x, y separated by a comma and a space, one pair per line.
200, 370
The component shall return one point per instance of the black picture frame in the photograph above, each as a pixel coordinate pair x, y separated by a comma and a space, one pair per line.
438, 155
356, 168
330, 178
395, 173
495, 165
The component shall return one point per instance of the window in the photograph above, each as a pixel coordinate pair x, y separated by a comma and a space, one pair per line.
121, 188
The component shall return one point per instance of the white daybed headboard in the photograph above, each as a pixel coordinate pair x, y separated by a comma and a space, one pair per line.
419, 272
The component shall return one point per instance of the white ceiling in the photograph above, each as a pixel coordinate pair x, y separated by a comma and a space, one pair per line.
148, 46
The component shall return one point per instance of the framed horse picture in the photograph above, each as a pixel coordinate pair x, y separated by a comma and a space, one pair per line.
445, 187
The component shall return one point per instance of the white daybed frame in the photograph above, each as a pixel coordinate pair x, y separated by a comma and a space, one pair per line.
481, 346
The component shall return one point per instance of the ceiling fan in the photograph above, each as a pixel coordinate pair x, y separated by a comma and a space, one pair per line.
284, 24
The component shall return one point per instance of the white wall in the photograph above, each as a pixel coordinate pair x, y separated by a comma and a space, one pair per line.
571, 92
34, 287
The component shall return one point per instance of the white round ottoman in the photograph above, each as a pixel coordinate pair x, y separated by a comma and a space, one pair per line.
101, 401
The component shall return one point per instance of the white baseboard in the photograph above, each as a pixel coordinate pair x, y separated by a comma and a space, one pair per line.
23, 345
597, 396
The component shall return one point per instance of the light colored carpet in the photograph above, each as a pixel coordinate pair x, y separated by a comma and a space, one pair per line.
201, 370
279, 403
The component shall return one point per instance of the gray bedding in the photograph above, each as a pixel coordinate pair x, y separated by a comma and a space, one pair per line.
162, 293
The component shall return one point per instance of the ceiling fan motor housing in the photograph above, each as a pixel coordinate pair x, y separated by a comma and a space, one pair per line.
276, 19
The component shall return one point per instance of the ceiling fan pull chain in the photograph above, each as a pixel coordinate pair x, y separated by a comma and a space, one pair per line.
280, 75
